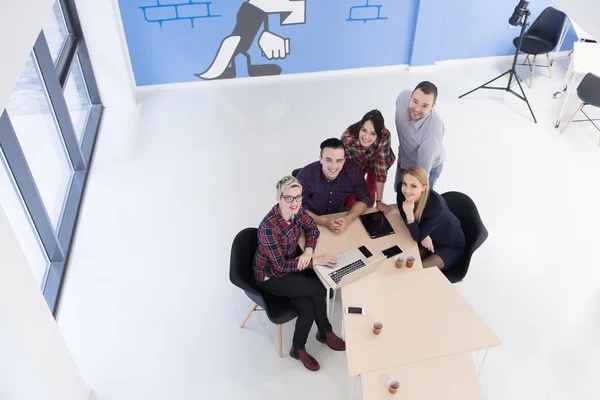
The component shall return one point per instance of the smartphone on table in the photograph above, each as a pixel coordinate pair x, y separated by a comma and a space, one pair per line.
354, 310
392, 251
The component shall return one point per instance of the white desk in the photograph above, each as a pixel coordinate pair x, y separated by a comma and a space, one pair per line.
356, 236
443, 378
582, 35
424, 317
583, 11
585, 58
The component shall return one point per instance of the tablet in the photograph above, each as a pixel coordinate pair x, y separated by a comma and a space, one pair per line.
376, 224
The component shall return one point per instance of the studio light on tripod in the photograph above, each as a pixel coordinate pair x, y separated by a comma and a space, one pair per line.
520, 13
520, 10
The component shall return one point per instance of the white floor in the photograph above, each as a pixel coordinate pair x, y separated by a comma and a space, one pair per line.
148, 310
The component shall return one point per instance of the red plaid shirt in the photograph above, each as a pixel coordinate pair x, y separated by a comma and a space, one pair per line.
278, 241
378, 156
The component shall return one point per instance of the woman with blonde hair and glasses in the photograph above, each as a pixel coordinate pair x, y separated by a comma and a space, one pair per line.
283, 269
430, 222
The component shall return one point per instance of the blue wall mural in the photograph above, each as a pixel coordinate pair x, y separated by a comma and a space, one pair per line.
172, 41
365, 12
166, 10
175, 41
458, 29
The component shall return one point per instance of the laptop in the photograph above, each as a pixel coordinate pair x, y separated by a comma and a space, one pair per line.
376, 225
351, 266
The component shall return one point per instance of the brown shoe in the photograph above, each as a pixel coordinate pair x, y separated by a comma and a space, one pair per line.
332, 340
308, 360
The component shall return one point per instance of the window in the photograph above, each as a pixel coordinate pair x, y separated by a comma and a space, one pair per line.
34, 122
47, 133
56, 31
78, 100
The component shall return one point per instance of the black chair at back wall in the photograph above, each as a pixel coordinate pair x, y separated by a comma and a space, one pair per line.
589, 93
542, 37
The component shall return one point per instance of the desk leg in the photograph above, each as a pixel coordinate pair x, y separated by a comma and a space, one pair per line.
327, 304
333, 302
570, 73
356, 378
563, 34
567, 97
479, 367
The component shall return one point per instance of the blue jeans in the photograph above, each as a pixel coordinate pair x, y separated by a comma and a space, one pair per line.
434, 174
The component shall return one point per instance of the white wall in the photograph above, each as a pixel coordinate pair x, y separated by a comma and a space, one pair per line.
103, 32
35, 362
586, 14
22, 21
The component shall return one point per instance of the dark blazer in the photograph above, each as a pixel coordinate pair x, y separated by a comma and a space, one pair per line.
437, 222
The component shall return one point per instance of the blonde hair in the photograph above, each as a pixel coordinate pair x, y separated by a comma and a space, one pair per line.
287, 182
420, 174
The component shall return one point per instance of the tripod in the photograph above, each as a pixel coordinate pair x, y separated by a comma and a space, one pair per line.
512, 73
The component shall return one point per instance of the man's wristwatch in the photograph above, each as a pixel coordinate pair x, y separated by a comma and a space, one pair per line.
377, 201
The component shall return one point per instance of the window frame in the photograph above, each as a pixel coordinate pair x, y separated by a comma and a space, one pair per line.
57, 243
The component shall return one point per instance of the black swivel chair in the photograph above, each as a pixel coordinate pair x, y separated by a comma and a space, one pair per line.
589, 93
475, 232
295, 172
542, 37
279, 309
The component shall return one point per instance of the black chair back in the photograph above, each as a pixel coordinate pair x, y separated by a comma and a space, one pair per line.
548, 26
475, 232
589, 90
241, 273
295, 172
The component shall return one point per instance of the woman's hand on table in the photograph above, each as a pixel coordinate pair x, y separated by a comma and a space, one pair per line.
304, 259
325, 260
428, 244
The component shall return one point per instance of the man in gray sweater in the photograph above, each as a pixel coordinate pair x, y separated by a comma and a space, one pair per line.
420, 131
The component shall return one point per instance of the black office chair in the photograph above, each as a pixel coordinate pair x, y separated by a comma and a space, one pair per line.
589, 93
542, 37
475, 232
279, 309
295, 172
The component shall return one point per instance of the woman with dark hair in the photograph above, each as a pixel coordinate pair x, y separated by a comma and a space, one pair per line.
369, 144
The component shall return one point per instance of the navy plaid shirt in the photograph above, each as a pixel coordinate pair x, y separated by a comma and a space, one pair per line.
323, 196
278, 242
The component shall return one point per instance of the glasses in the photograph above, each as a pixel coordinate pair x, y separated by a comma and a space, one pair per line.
289, 199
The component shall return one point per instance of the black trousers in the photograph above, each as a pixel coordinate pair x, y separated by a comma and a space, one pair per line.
307, 294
